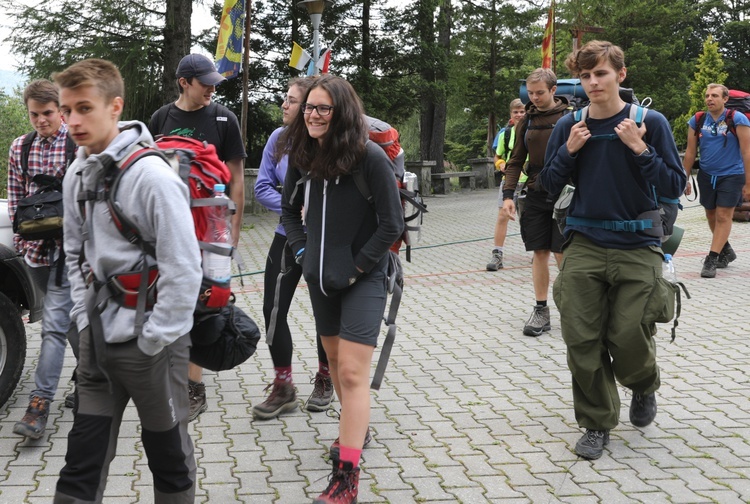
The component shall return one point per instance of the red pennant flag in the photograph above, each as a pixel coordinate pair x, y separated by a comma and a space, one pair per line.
547, 40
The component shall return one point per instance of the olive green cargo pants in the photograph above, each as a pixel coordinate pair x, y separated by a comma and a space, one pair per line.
609, 300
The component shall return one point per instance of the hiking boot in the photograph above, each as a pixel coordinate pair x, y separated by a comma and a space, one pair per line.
709, 267
322, 394
282, 398
538, 321
197, 393
70, 400
35, 420
343, 486
496, 262
333, 451
726, 256
642, 409
591, 445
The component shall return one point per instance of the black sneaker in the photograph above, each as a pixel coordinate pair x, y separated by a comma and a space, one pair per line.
726, 256
591, 445
709, 267
642, 409
322, 394
496, 262
70, 400
538, 321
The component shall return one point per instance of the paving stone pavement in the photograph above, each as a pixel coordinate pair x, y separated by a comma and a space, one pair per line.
471, 411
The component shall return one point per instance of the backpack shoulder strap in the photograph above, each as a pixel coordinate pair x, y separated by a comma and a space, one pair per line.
70, 151
581, 114
507, 134
162, 121
25, 151
359, 180
220, 128
124, 225
638, 114
731, 126
700, 118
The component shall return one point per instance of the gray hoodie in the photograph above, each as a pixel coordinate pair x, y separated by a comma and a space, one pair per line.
152, 195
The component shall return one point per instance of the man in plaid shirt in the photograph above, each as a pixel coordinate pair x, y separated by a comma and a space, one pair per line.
47, 156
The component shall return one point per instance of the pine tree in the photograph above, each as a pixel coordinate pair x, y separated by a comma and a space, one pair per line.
709, 70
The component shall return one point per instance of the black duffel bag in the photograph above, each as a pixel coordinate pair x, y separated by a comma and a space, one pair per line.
225, 340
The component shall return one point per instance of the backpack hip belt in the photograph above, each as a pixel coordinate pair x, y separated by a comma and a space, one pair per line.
648, 222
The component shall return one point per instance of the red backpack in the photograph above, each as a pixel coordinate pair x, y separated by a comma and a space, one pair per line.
413, 206
199, 166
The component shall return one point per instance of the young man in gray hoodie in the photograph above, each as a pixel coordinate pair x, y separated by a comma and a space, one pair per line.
120, 359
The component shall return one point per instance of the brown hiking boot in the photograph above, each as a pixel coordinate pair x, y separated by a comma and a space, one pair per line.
282, 398
35, 420
343, 487
197, 393
322, 394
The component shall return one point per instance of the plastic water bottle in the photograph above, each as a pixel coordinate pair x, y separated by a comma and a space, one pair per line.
668, 271
218, 267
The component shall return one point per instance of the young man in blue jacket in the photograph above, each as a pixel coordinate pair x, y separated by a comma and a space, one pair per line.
609, 290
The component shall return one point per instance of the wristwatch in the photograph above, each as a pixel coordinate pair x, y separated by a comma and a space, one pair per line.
645, 152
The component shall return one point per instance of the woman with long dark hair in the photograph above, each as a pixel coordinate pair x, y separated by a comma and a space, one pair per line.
344, 254
282, 274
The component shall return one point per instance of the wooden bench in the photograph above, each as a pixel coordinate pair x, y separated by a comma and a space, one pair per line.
464, 178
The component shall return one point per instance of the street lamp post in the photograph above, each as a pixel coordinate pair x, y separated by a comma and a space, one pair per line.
315, 9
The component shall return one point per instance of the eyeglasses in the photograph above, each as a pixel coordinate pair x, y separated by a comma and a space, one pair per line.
290, 101
322, 110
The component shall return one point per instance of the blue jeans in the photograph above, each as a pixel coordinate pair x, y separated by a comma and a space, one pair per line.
55, 326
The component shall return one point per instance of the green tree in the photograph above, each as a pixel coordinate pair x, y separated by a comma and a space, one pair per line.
126, 32
653, 34
15, 122
491, 43
709, 70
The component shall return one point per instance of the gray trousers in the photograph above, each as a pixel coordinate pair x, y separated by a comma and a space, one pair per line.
158, 387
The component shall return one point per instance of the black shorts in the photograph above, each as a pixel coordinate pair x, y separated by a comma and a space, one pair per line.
539, 230
720, 191
355, 313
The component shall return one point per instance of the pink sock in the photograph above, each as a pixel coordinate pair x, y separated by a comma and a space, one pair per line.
349, 454
283, 374
324, 369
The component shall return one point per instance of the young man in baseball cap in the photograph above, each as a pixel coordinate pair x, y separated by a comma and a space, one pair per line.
195, 115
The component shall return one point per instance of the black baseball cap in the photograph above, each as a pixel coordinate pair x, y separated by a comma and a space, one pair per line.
200, 67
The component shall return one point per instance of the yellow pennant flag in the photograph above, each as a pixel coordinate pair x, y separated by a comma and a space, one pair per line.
299, 57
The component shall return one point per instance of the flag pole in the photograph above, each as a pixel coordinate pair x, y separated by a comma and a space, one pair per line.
554, 39
245, 71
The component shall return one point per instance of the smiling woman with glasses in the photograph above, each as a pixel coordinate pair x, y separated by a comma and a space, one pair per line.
344, 255
282, 275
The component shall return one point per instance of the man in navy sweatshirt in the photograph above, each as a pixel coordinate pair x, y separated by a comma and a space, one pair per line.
609, 290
